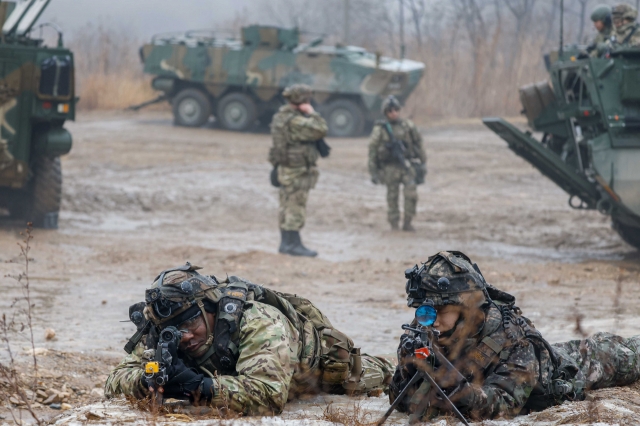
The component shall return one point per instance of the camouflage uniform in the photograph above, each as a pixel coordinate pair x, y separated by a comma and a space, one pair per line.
386, 169
294, 152
627, 34
277, 359
509, 367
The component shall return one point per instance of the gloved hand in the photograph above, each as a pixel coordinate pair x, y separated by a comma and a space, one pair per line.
464, 399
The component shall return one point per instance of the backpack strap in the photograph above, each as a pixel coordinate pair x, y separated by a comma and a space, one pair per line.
628, 37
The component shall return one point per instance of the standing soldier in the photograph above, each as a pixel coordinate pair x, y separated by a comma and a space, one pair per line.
396, 156
601, 17
297, 132
624, 20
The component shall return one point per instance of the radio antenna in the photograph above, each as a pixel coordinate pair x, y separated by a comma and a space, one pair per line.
561, 28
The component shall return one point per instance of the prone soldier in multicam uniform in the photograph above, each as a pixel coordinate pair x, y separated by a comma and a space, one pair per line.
627, 33
296, 130
602, 21
397, 157
240, 345
507, 368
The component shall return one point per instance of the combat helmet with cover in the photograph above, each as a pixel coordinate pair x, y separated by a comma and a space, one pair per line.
624, 11
390, 103
602, 13
443, 280
297, 93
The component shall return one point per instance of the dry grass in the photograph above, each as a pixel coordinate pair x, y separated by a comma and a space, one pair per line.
456, 83
108, 70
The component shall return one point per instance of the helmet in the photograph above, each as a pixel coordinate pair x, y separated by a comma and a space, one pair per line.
602, 13
624, 11
391, 102
179, 294
297, 93
444, 279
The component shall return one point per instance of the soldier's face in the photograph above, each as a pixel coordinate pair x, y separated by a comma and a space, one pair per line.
393, 114
447, 317
599, 25
617, 22
194, 335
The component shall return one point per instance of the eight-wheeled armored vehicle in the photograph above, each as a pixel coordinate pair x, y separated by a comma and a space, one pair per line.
589, 117
241, 81
36, 97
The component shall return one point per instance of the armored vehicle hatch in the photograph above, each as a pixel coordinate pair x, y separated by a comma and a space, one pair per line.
240, 81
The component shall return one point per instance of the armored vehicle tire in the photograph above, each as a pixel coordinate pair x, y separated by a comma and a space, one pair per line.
45, 192
344, 118
191, 108
630, 234
236, 111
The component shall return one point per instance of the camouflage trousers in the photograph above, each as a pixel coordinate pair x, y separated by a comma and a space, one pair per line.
605, 359
295, 184
394, 176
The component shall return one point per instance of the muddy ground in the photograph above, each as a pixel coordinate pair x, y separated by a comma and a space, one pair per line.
141, 195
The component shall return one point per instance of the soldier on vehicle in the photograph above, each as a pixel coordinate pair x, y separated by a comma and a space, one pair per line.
506, 367
239, 345
626, 27
602, 21
397, 156
296, 130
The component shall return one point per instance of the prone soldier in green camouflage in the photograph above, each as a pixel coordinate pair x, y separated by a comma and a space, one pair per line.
296, 128
407, 168
241, 346
626, 27
602, 21
508, 367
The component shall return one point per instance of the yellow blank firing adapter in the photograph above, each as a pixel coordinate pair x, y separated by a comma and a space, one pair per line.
152, 367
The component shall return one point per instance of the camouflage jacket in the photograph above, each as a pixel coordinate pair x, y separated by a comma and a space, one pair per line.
601, 42
294, 137
628, 35
404, 130
270, 351
507, 370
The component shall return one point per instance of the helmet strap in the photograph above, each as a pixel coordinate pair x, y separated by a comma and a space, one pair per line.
206, 323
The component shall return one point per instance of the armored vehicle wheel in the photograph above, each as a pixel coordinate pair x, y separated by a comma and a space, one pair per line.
236, 111
191, 108
344, 118
46, 193
630, 234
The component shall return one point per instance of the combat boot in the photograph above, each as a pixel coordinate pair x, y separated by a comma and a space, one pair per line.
394, 226
285, 241
407, 227
296, 248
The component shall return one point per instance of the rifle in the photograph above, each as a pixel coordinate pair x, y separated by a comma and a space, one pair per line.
420, 346
155, 371
395, 146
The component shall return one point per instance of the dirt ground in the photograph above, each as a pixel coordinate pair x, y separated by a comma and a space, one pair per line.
141, 195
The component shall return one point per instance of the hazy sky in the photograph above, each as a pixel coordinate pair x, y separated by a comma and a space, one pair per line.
144, 17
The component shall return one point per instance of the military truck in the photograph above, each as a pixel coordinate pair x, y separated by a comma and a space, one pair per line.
201, 73
588, 115
36, 97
